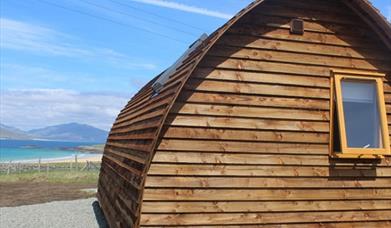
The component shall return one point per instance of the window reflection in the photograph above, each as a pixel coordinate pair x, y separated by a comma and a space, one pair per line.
361, 112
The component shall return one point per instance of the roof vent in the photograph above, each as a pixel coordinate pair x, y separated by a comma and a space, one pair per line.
297, 26
158, 85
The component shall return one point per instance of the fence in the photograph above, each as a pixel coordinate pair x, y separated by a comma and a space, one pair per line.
39, 166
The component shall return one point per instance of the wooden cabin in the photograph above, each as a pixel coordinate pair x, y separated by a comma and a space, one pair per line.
279, 118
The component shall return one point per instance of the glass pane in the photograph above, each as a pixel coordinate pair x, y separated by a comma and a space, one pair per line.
362, 117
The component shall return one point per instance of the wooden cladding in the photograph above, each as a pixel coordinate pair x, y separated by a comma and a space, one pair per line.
130, 147
132, 140
262, 218
239, 135
247, 141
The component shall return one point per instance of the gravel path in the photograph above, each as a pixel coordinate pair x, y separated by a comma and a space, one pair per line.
77, 213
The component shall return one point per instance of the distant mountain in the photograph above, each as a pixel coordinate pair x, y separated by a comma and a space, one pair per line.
74, 132
7, 132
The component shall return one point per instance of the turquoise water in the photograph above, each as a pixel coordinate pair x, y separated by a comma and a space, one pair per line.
22, 150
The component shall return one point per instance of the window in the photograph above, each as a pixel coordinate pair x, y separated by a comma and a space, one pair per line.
359, 126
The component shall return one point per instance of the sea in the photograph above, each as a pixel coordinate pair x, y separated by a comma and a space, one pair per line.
32, 150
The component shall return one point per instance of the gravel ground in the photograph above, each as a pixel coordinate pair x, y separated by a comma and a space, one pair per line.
82, 213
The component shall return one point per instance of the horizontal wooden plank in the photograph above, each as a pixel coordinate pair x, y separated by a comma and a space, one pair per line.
244, 147
264, 66
261, 77
312, 15
224, 158
262, 182
118, 182
253, 100
135, 155
288, 206
262, 218
151, 105
244, 159
358, 36
242, 123
148, 102
181, 74
108, 209
256, 89
151, 194
140, 117
387, 98
359, 224
258, 170
299, 47
136, 103
245, 135
110, 189
388, 109
131, 145
119, 163
137, 127
128, 156
124, 205
279, 29
302, 58
256, 112
141, 136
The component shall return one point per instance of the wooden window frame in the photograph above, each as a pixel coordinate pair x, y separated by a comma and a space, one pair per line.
336, 96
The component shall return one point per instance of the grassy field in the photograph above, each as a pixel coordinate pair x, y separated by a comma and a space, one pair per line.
62, 176
34, 187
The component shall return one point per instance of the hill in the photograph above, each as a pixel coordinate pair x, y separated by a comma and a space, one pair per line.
8, 132
71, 132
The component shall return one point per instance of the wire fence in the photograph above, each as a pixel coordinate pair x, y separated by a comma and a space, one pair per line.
39, 166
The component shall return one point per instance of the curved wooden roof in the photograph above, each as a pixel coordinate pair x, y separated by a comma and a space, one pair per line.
134, 136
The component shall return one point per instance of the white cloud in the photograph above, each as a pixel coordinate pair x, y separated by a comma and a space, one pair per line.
27, 37
186, 8
35, 108
27, 76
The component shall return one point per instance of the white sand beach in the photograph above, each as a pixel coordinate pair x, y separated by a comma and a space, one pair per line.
80, 158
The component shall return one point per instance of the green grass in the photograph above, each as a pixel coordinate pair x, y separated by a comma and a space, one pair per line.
63, 176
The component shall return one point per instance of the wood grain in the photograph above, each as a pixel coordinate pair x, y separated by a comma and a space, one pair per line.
239, 134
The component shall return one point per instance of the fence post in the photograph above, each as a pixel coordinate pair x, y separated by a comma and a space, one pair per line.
39, 165
76, 164
9, 168
47, 170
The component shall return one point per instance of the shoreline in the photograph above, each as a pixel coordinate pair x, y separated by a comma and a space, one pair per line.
89, 152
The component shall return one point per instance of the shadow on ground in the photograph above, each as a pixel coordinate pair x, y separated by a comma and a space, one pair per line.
100, 218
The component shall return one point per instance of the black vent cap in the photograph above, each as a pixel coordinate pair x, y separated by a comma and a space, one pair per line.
297, 26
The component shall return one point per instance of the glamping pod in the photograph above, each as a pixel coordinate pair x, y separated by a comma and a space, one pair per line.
280, 117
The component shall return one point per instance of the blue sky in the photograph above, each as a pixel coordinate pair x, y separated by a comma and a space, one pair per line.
81, 60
